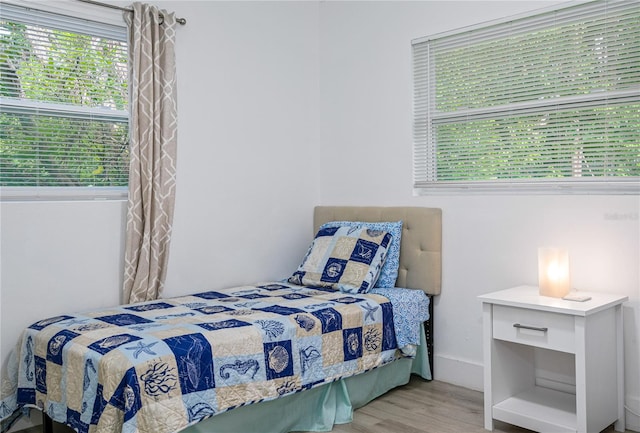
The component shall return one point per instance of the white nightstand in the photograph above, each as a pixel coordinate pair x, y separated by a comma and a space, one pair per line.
518, 323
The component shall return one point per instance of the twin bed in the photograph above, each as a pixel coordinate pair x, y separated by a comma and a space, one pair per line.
293, 355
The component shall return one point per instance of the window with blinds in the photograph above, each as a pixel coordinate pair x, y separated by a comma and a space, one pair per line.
545, 103
63, 101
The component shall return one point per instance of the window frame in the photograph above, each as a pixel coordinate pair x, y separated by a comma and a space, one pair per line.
425, 116
110, 25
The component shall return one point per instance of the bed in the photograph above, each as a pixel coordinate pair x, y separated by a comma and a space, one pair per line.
305, 357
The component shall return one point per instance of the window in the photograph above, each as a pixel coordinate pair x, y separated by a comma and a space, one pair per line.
63, 103
545, 103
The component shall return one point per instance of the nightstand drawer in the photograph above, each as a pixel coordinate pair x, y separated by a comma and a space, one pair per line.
534, 328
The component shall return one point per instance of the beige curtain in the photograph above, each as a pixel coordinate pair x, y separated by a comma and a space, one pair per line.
153, 137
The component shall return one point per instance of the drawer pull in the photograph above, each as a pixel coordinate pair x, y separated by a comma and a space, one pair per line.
533, 328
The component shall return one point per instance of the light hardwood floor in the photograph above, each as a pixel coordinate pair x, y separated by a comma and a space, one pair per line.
426, 407
418, 407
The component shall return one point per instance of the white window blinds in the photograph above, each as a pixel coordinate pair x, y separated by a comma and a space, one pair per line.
540, 103
63, 101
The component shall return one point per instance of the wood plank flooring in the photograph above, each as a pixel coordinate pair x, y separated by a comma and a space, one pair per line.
426, 407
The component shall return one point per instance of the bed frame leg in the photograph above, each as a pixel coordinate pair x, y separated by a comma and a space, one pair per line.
428, 330
47, 423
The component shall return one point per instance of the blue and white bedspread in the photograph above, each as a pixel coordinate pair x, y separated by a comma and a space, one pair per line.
159, 366
409, 307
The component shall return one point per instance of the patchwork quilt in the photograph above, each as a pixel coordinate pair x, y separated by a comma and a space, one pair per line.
159, 366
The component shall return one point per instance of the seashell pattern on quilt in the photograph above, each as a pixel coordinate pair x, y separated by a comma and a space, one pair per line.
159, 366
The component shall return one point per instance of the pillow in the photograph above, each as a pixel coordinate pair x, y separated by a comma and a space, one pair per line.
345, 258
389, 272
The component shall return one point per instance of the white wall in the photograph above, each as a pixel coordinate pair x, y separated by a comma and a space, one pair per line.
489, 242
247, 166
57, 256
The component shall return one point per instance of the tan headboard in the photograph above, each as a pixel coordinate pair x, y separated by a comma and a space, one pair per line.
421, 245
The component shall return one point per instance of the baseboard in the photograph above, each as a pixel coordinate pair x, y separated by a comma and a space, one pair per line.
461, 372
632, 419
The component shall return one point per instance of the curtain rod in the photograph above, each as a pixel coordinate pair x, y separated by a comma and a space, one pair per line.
182, 21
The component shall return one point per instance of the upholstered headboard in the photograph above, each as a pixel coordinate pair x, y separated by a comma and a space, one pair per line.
421, 245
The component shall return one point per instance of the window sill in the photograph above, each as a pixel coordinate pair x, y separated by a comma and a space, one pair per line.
8, 194
531, 187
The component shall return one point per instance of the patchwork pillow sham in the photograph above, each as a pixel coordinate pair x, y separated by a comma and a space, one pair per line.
345, 258
389, 272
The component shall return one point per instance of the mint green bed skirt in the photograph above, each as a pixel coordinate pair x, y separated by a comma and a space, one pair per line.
318, 409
